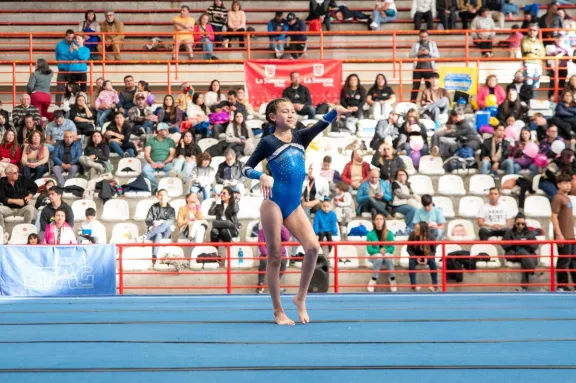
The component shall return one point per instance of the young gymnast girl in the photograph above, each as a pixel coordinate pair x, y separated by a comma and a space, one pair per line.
284, 149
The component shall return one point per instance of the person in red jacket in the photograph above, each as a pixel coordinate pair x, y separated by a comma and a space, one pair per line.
357, 170
10, 152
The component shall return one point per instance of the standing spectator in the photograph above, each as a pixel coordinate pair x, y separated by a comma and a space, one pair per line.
225, 226
66, 157
490, 87
494, 154
80, 54
56, 203
380, 98
458, 133
158, 153
89, 26
39, 88
551, 20
126, 97
423, 10
353, 97
386, 131
106, 103
384, 253
384, 12
404, 198
218, 19
35, 157
343, 204
432, 216
229, 172
520, 252
513, 42
205, 35
237, 22
186, 155
374, 194
424, 50
297, 44
388, 161
190, 220
25, 108
114, 38
494, 218
183, 32
118, 136
214, 94
284, 237
278, 42
325, 223
59, 232
300, 97
56, 130
314, 190
563, 225
525, 91
83, 116
63, 56
10, 152
240, 138
357, 170
160, 222
202, 176
422, 255
15, 195
483, 25
142, 118
533, 51
446, 10
435, 100
95, 160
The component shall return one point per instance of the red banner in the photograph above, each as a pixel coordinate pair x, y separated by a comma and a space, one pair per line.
266, 79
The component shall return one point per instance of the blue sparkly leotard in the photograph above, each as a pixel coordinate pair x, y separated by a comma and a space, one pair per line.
286, 163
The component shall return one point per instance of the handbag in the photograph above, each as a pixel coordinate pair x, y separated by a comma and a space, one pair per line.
222, 224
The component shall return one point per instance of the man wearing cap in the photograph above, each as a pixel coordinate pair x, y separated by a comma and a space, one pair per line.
141, 116
158, 153
277, 42
298, 41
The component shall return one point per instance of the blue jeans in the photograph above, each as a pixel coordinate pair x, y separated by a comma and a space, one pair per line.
377, 265
277, 45
378, 19
408, 212
103, 116
532, 167
431, 263
150, 173
148, 127
205, 191
33, 174
533, 73
549, 188
507, 165
121, 149
181, 166
437, 234
207, 48
157, 233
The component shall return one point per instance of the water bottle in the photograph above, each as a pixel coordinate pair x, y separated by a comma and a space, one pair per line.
240, 256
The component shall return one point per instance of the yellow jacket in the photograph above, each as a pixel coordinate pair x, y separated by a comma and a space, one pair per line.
532, 50
115, 27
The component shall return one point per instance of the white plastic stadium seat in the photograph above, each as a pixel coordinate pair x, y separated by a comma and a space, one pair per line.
80, 182
196, 251
41, 181
367, 128
139, 194
177, 204
450, 185
216, 161
395, 225
510, 203
537, 206
125, 232
469, 206
545, 254
410, 169
347, 257
430, 126
205, 207
480, 184
133, 163
249, 207
173, 185
536, 183
403, 107
448, 248
206, 143
421, 185
172, 252
115, 210
21, 232
468, 226
247, 261
79, 208
142, 209
339, 162
432, 166
491, 250
404, 256
249, 229
445, 204
136, 258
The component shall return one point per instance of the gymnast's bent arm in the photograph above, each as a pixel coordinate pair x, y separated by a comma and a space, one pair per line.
306, 135
261, 152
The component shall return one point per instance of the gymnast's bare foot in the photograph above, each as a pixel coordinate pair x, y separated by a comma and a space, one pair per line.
302, 313
282, 319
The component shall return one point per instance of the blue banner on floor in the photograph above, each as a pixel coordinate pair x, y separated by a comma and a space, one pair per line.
57, 270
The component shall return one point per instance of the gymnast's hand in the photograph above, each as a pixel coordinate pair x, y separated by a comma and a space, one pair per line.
266, 183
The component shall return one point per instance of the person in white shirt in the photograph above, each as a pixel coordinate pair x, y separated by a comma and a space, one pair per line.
384, 12
343, 204
494, 218
91, 231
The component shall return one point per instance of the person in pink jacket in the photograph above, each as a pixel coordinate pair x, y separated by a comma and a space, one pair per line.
59, 232
204, 36
284, 237
491, 87
106, 102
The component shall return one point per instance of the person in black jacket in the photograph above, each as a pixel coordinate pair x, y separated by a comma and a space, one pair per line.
321, 8
520, 252
56, 203
494, 154
15, 195
232, 105
300, 97
525, 91
96, 156
353, 96
160, 221
297, 44
421, 254
446, 11
225, 226
82, 115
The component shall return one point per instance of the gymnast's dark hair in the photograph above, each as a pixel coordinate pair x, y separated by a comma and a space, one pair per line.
272, 107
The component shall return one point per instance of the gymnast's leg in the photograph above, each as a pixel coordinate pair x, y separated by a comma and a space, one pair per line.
271, 222
300, 227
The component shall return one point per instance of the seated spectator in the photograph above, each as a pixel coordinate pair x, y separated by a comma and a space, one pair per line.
446, 10
435, 100
142, 118
59, 232
35, 157
160, 222
242, 99
225, 226
78, 68
205, 37
98, 86
330, 175
33, 239
525, 91
90, 26
183, 32
284, 237
458, 133
25, 108
158, 153
190, 220
277, 42
297, 44
482, 27
353, 97
388, 161
83, 116
197, 116
520, 252
90, 229
343, 204
512, 106
126, 96
10, 152
384, 12
413, 130
186, 155
561, 51
106, 103
56, 130
96, 158
314, 190
238, 137
494, 219
15, 195
229, 172
384, 253
144, 88
380, 97
432, 216
202, 176
56, 203
4, 113
169, 113
300, 97
114, 36
423, 10
521, 160
386, 130
571, 84
66, 158
42, 200
495, 153
550, 20
325, 223
184, 99
6, 125
564, 164
236, 23
231, 106
539, 123
39, 88
214, 94
374, 195
24, 133
218, 19
118, 136
490, 87
551, 137
565, 115
404, 200
357, 170
533, 52
422, 255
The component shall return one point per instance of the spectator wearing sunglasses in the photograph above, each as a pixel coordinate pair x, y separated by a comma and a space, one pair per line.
522, 253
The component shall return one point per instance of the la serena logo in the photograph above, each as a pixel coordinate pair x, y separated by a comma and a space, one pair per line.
269, 70
317, 72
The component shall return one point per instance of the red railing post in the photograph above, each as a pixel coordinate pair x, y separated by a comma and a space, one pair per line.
394, 55
467, 47
30, 53
321, 45
120, 271
336, 279
169, 82
444, 278
248, 45
103, 42
557, 77
228, 270
400, 81
13, 85
552, 269
91, 79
